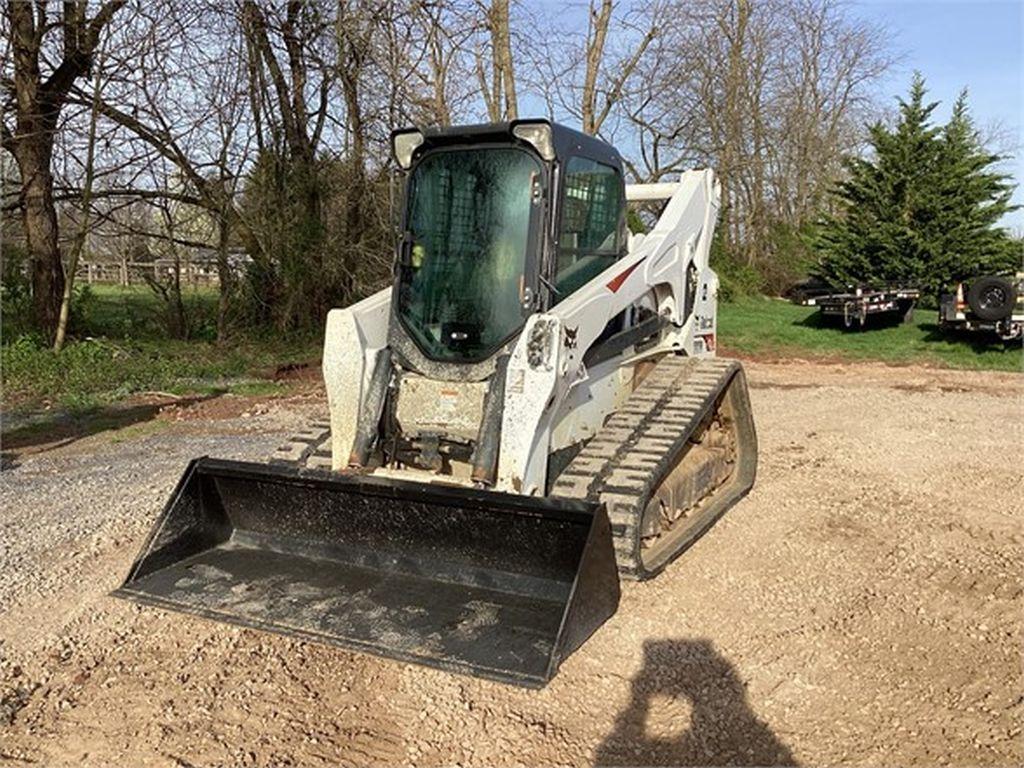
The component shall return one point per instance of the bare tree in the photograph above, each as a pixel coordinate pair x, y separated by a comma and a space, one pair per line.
588, 76
498, 89
770, 94
436, 86
36, 100
83, 227
592, 112
270, 119
168, 286
176, 91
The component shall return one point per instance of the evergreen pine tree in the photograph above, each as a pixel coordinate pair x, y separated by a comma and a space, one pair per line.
972, 197
923, 210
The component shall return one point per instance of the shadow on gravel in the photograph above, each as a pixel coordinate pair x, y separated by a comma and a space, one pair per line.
689, 707
63, 428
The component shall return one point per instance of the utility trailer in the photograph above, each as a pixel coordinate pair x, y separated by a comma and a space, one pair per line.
990, 304
858, 304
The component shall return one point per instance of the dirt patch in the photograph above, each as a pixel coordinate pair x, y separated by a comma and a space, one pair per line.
225, 406
783, 355
783, 385
862, 606
45, 431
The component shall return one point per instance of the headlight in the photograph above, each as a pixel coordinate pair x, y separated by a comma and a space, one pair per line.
538, 135
403, 145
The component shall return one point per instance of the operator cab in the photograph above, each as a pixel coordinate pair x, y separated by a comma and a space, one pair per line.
499, 221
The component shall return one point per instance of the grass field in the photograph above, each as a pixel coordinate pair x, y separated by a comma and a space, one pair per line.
120, 348
773, 328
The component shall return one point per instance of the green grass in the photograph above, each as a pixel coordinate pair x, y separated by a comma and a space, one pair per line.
774, 328
120, 349
97, 371
134, 312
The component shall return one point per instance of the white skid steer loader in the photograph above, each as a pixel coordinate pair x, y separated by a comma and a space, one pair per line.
531, 410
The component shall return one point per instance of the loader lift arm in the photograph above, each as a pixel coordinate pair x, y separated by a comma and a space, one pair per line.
549, 359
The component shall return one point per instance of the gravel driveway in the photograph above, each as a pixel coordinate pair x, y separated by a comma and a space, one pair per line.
862, 606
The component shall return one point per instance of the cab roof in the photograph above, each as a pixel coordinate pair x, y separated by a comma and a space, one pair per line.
567, 141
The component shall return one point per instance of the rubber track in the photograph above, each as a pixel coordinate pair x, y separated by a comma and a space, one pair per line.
310, 448
627, 459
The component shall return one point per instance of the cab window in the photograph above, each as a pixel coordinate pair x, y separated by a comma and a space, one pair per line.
460, 294
590, 238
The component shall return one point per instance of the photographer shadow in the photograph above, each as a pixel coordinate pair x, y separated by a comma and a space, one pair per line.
689, 707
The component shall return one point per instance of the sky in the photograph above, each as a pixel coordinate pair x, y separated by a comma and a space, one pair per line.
955, 44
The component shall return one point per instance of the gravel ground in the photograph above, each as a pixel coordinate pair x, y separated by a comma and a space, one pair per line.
862, 606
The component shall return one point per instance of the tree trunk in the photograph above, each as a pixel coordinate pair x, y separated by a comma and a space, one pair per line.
354, 45
40, 221
37, 105
597, 33
505, 70
500, 97
224, 278
83, 230
178, 325
735, 30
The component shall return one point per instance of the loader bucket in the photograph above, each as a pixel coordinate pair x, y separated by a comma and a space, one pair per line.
492, 584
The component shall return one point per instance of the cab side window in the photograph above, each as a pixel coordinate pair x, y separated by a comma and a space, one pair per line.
590, 239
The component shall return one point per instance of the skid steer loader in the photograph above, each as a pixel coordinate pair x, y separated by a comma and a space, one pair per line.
531, 410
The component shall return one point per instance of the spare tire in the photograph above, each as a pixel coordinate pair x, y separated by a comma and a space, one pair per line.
991, 298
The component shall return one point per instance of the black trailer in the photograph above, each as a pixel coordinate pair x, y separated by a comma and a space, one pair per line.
856, 305
990, 304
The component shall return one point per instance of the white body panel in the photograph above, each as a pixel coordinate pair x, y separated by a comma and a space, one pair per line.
353, 337
583, 410
551, 400
538, 384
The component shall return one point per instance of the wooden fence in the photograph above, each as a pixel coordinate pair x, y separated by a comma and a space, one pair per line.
136, 273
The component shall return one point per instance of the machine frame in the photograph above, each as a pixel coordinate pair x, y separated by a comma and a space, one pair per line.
556, 392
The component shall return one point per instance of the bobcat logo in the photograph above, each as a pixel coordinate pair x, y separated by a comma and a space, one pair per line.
570, 337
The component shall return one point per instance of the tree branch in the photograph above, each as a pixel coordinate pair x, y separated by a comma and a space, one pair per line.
78, 56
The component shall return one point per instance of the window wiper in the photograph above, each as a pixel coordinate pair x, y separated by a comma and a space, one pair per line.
550, 286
